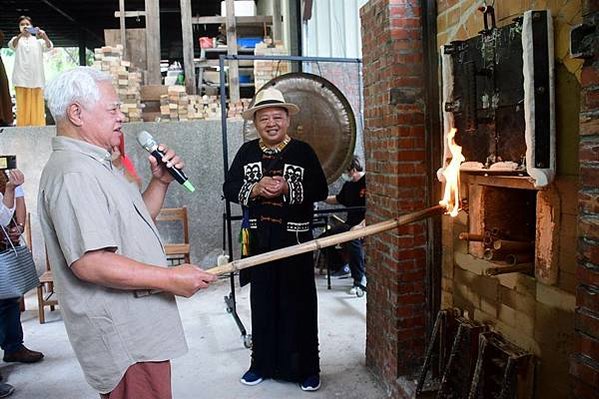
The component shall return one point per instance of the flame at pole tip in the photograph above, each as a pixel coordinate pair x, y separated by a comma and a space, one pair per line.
451, 195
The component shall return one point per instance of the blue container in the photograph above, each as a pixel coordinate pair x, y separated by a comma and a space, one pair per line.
248, 42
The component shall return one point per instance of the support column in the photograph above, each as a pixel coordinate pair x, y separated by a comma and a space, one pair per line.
122, 27
82, 55
232, 50
153, 42
397, 159
188, 45
276, 20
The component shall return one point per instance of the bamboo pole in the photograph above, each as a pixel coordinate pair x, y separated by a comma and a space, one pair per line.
521, 268
325, 242
471, 237
510, 245
514, 259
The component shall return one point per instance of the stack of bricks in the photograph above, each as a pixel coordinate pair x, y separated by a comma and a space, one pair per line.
264, 71
195, 108
211, 107
236, 109
178, 106
126, 82
178, 103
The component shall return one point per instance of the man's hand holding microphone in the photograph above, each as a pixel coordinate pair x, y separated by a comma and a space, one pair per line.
166, 166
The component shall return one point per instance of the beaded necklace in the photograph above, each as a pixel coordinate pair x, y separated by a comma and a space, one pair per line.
276, 149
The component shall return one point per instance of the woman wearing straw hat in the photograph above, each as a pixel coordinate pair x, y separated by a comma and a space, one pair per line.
276, 180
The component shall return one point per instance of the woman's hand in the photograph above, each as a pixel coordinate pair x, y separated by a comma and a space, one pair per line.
15, 178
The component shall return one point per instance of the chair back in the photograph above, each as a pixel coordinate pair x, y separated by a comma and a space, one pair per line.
27, 232
176, 252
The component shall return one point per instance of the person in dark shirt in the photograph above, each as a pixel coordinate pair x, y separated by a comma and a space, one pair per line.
353, 194
276, 179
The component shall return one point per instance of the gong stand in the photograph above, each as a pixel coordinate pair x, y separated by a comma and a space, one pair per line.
230, 300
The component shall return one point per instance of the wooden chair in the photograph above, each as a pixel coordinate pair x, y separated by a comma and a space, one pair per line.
45, 292
176, 253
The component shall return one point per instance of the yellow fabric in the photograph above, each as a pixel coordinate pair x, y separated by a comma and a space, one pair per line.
245, 241
30, 106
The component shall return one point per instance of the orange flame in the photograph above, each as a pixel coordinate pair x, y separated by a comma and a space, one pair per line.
451, 196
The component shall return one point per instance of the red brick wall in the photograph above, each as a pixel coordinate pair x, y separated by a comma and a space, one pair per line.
394, 139
584, 363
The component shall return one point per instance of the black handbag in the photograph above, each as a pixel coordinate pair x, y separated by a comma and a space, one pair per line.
17, 270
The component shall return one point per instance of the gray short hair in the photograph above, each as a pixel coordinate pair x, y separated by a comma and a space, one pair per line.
79, 84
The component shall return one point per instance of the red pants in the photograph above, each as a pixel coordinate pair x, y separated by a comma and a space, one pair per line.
147, 380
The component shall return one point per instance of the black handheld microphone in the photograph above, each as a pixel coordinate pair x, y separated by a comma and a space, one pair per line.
146, 140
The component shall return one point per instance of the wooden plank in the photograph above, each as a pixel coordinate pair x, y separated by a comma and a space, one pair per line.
130, 14
232, 50
518, 182
188, 45
153, 41
122, 27
258, 20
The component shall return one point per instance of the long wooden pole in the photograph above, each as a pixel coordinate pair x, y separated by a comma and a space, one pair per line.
325, 242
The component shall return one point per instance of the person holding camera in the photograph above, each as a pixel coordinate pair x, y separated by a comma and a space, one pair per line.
12, 220
28, 74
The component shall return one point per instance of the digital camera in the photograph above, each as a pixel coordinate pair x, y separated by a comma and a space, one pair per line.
8, 162
33, 30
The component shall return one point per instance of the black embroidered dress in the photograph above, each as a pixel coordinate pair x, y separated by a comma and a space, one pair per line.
283, 293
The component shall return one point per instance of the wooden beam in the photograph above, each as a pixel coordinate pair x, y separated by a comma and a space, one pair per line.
123, 29
276, 16
257, 20
130, 14
232, 50
67, 16
153, 41
190, 73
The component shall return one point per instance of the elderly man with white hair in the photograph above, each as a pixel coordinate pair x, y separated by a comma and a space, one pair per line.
116, 294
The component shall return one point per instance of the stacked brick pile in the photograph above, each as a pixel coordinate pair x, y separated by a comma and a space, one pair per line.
266, 70
126, 81
178, 106
236, 109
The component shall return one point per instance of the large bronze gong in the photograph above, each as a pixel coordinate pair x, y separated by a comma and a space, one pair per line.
325, 121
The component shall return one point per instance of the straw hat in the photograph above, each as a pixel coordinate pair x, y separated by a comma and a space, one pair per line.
269, 97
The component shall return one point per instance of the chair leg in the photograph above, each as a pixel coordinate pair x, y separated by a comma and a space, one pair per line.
40, 303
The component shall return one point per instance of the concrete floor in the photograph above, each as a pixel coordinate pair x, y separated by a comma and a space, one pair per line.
216, 359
